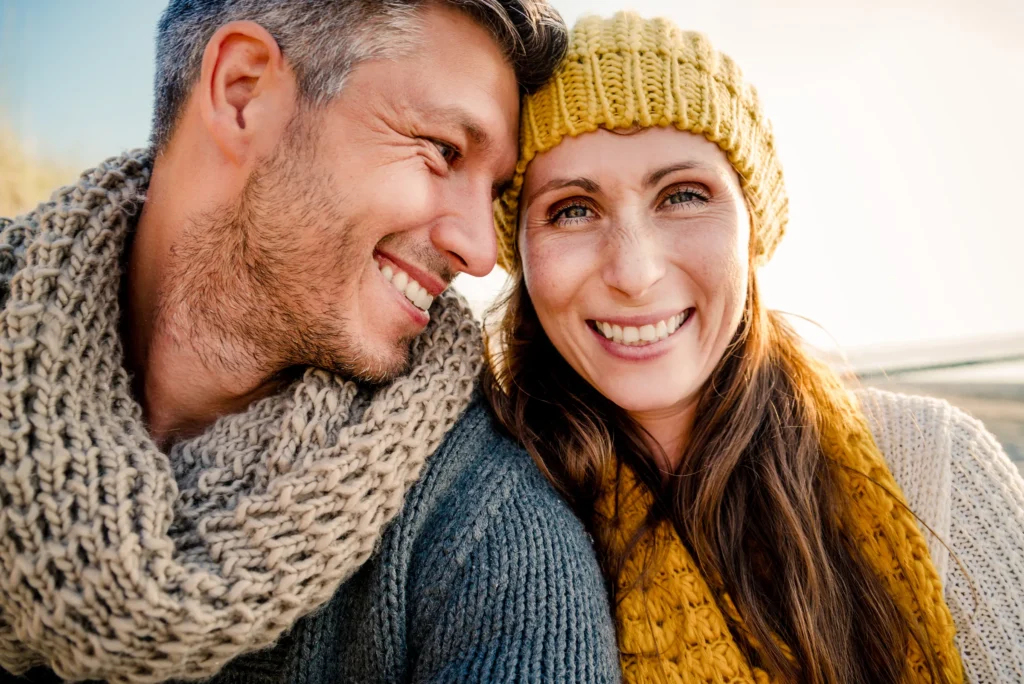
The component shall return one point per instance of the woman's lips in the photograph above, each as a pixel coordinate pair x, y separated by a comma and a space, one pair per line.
643, 351
644, 332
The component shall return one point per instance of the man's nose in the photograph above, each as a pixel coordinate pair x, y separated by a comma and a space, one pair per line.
466, 235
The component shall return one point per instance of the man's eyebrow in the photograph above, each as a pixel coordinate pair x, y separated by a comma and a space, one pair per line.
587, 184
655, 176
460, 118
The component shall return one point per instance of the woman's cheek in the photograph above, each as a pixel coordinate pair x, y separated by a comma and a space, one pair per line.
554, 267
730, 276
713, 259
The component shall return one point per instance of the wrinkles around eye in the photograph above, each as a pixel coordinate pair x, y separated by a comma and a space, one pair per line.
449, 152
691, 195
574, 209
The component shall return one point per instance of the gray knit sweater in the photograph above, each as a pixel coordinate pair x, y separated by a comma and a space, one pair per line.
485, 576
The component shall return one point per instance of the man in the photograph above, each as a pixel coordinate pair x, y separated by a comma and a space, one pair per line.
226, 360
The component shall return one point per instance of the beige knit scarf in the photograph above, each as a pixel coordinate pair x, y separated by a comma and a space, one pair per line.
120, 562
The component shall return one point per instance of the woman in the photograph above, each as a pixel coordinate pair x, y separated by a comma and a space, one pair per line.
756, 520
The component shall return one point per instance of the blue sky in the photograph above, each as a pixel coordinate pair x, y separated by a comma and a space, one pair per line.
76, 76
897, 123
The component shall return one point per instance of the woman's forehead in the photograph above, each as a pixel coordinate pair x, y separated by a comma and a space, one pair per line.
624, 154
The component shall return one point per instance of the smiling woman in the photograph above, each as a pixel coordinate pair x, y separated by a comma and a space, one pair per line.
757, 520
657, 241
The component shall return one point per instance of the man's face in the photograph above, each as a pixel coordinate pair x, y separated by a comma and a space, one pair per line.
368, 208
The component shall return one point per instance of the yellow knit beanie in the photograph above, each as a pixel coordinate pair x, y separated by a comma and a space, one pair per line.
628, 72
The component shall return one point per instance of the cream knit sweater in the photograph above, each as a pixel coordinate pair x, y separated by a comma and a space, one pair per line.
959, 481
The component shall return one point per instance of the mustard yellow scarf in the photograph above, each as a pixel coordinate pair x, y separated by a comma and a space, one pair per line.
673, 628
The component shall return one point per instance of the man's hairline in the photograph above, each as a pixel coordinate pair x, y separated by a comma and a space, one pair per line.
307, 105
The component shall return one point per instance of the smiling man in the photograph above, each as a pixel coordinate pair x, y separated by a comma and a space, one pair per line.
227, 359
280, 231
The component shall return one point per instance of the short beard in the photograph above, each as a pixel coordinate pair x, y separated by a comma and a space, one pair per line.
232, 295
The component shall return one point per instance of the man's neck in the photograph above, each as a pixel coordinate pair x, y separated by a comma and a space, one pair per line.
181, 397
182, 390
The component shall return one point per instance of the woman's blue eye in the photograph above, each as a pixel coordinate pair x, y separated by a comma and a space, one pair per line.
684, 196
572, 211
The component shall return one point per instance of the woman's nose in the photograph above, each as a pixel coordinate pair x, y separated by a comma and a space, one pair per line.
636, 260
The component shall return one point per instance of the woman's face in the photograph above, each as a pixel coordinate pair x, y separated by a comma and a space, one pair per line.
635, 254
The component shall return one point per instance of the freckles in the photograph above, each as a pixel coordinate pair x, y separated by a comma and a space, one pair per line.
540, 276
551, 275
739, 263
538, 252
720, 249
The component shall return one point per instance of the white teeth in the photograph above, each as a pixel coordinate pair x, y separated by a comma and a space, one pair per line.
408, 286
413, 291
423, 300
635, 336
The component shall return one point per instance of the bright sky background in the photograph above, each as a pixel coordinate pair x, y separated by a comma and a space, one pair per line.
898, 124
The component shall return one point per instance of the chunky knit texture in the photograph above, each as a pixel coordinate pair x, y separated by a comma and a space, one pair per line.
954, 476
627, 72
484, 576
958, 479
120, 562
673, 629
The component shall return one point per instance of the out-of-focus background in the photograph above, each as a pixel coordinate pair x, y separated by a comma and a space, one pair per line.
898, 124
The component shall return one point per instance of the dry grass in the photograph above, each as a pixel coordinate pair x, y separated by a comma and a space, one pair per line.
25, 181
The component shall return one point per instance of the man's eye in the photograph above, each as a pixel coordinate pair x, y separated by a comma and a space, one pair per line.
448, 152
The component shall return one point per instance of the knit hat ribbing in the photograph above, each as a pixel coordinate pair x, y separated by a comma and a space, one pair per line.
627, 72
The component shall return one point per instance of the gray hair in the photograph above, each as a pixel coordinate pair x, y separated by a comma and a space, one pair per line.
322, 40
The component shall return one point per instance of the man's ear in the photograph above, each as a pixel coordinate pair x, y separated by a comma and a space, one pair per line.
247, 93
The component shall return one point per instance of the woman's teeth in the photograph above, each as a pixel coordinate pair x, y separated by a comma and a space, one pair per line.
412, 290
646, 334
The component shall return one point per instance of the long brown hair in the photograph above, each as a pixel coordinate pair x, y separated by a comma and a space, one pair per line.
755, 497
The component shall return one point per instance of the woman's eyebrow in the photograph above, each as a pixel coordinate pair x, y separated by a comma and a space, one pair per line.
655, 176
587, 184
593, 186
